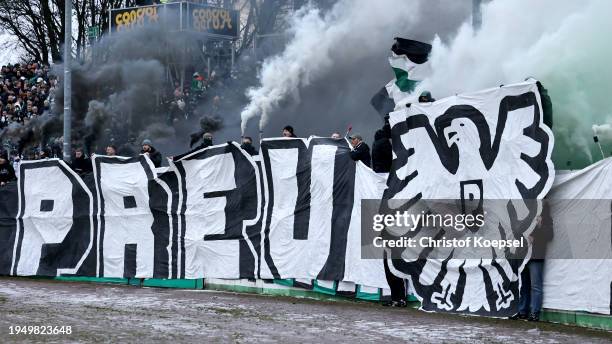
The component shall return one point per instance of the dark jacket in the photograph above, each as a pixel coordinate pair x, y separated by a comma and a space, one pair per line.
7, 172
361, 152
542, 234
381, 153
81, 165
155, 156
205, 144
382, 149
249, 149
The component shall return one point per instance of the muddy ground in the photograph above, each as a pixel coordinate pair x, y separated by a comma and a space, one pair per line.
113, 313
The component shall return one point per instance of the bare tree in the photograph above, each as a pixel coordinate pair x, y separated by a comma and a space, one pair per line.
38, 25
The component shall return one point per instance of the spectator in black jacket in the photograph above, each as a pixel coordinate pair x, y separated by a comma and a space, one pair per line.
207, 141
247, 145
531, 293
7, 172
360, 151
154, 155
81, 164
381, 149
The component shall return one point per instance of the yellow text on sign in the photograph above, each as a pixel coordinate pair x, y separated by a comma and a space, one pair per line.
205, 19
135, 17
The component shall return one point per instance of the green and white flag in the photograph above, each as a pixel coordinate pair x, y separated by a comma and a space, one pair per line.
409, 62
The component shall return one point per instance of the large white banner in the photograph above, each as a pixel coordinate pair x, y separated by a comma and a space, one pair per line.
488, 148
294, 211
581, 208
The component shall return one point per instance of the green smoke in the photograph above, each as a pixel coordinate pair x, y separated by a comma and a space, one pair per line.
564, 44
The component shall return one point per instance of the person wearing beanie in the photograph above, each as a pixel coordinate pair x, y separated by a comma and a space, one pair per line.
426, 97
288, 131
154, 155
7, 172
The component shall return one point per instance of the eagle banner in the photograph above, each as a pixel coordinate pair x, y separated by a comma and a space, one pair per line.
488, 151
296, 210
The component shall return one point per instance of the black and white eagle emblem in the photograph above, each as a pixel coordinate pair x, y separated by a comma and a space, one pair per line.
491, 152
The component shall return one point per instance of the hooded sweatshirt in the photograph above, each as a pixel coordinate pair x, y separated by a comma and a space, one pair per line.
7, 172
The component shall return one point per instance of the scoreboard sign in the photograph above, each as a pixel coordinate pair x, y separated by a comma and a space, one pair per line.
213, 20
181, 16
127, 18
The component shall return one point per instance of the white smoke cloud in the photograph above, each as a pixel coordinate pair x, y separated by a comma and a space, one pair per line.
564, 44
355, 25
582, 143
603, 131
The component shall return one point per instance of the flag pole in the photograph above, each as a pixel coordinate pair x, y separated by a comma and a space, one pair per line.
67, 151
348, 131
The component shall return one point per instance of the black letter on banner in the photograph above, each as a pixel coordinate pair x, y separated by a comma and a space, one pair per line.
163, 202
242, 207
128, 219
254, 231
302, 205
56, 228
8, 226
163, 190
343, 194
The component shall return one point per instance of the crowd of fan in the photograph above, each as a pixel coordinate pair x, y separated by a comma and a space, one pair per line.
26, 92
186, 98
379, 160
28, 89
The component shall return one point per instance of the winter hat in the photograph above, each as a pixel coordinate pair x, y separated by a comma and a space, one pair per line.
147, 142
289, 129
